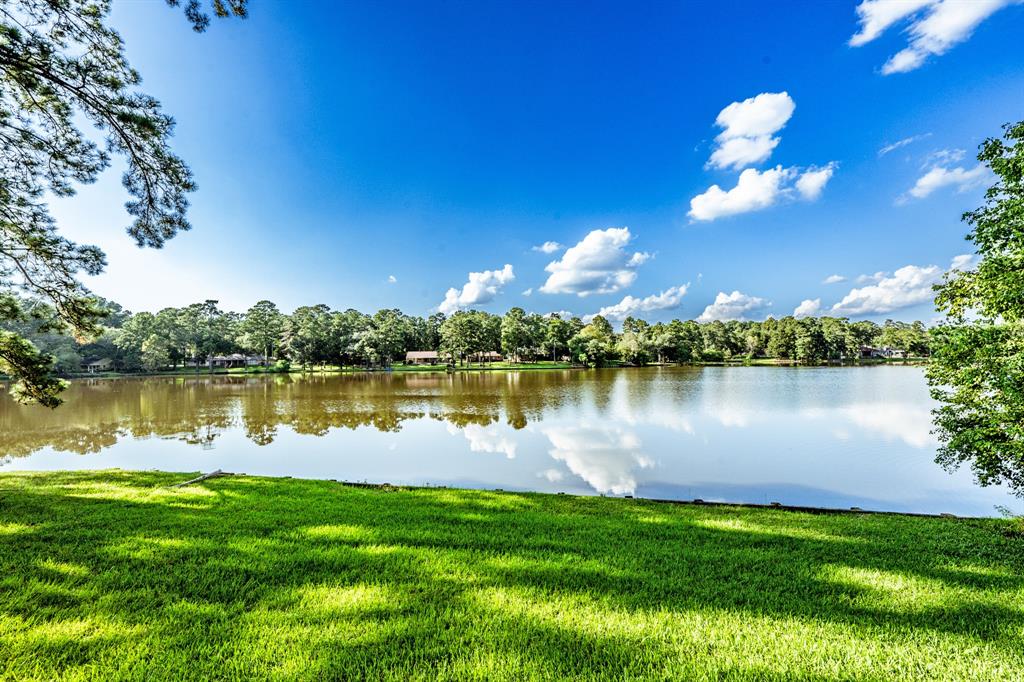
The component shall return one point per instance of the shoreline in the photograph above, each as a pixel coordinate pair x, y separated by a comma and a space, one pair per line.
197, 477
523, 367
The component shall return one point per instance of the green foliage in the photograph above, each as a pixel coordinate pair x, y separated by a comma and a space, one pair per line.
115, 575
261, 328
515, 334
61, 65
811, 347
977, 369
594, 344
307, 335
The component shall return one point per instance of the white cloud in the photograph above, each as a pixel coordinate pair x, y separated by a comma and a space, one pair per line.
871, 279
944, 157
485, 439
603, 456
833, 279
552, 475
875, 16
935, 26
811, 183
599, 264
734, 306
910, 285
528, 292
754, 191
548, 247
940, 177
808, 307
910, 423
748, 127
669, 299
965, 261
481, 288
392, 279
902, 143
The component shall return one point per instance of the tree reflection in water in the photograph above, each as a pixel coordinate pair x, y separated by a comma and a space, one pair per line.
197, 410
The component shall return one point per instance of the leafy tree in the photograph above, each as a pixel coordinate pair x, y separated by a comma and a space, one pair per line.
515, 334
839, 342
782, 343
206, 330
594, 344
811, 347
61, 65
432, 340
260, 330
384, 339
557, 333
864, 333
977, 367
347, 330
155, 352
461, 335
307, 335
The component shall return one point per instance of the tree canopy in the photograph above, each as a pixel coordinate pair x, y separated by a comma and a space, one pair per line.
62, 65
977, 370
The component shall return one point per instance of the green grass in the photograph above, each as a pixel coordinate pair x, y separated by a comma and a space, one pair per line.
113, 575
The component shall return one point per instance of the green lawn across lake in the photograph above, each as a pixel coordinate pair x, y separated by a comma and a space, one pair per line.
115, 575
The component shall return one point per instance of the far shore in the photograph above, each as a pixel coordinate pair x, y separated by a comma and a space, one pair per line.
476, 367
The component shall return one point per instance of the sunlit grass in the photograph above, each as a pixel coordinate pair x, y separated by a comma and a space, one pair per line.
116, 575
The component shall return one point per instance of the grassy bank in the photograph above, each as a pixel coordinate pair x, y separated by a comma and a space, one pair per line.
112, 575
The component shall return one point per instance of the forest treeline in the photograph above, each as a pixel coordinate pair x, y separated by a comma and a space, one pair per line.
316, 335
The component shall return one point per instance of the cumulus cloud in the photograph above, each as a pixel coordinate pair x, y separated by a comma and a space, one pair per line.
599, 264
606, 457
833, 279
935, 26
910, 285
808, 307
902, 143
965, 261
481, 288
669, 299
548, 247
756, 190
734, 306
392, 279
811, 183
871, 279
748, 127
552, 475
939, 177
486, 439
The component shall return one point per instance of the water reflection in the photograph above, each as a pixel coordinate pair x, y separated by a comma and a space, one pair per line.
828, 436
602, 455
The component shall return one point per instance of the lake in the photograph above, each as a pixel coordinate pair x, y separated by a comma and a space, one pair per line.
835, 437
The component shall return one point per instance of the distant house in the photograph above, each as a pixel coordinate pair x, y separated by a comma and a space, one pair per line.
487, 356
883, 352
235, 360
422, 357
101, 365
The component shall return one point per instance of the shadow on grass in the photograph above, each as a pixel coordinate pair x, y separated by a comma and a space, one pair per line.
113, 574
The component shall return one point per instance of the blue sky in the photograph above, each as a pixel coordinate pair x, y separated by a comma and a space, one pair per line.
343, 145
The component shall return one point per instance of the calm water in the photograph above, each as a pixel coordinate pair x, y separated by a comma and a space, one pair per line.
818, 436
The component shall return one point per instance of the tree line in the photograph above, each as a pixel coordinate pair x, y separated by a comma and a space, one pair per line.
319, 336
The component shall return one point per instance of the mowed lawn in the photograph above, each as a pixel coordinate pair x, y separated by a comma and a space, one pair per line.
113, 575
